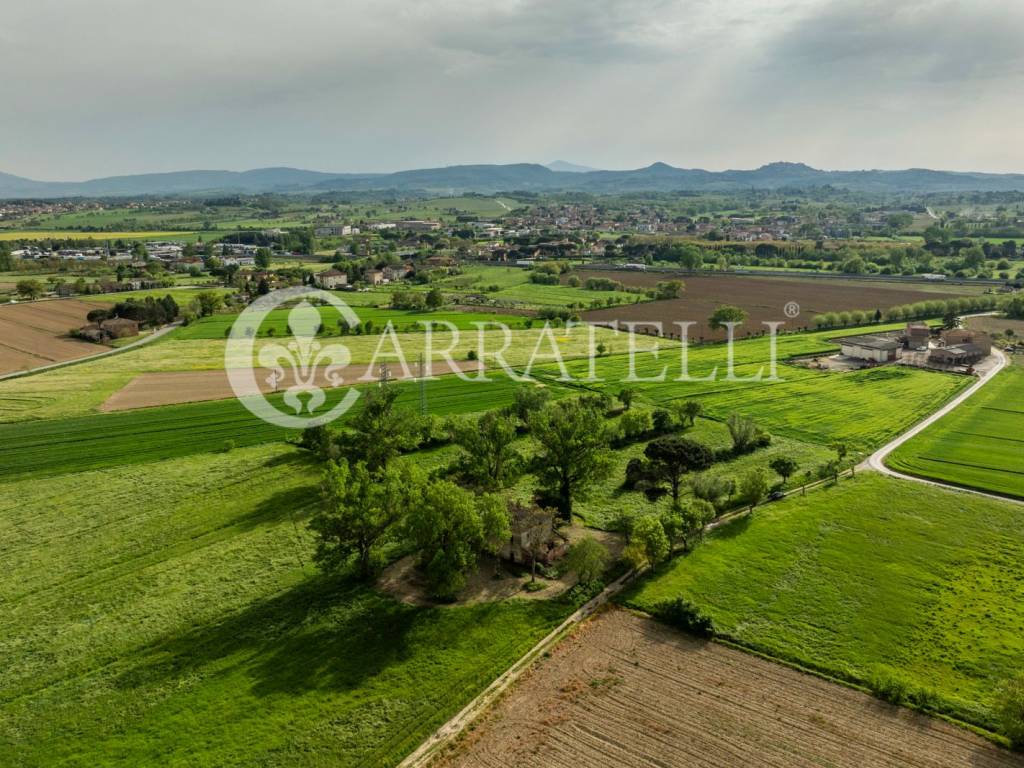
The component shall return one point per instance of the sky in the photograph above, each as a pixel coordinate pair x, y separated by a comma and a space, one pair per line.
115, 87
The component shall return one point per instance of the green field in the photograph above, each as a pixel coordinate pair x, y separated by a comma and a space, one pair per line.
515, 289
217, 326
56, 446
980, 444
186, 626
862, 408
608, 500
874, 577
60, 234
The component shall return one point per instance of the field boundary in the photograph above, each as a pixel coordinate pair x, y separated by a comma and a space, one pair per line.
425, 753
876, 460
160, 332
427, 750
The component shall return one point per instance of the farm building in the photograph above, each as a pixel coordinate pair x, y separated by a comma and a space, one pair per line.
533, 535
916, 335
119, 327
332, 278
959, 336
879, 349
961, 347
958, 354
396, 273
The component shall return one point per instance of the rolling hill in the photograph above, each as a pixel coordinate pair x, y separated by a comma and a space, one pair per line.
519, 176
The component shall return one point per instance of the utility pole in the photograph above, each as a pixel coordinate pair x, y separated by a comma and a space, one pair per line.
423, 388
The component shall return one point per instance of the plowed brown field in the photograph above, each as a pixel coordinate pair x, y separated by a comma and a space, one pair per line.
627, 691
35, 334
764, 299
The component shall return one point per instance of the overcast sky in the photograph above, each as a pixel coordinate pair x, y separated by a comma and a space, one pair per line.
128, 86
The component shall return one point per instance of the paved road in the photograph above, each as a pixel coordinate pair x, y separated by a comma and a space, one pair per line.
116, 351
876, 461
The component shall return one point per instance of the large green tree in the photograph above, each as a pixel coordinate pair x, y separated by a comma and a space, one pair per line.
726, 314
587, 558
359, 513
648, 544
573, 453
490, 460
379, 431
673, 456
450, 527
6, 259
30, 289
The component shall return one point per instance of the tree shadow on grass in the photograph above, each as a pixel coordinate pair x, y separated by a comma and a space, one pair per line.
293, 503
733, 528
322, 634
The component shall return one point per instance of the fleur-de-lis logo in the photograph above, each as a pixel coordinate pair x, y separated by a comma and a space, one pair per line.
302, 365
305, 357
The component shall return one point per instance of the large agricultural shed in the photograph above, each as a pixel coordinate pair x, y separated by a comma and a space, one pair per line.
880, 349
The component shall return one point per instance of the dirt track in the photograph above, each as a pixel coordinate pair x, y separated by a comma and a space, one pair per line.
764, 299
626, 691
35, 333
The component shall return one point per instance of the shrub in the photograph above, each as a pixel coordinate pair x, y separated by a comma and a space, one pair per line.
635, 425
636, 474
663, 421
1010, 707
682, 614
587, 558
889, 687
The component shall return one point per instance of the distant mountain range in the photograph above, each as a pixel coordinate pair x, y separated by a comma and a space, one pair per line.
488, 179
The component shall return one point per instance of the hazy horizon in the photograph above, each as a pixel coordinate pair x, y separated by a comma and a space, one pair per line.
196, 169
121, 88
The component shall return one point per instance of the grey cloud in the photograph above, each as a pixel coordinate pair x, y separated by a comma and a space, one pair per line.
124, 86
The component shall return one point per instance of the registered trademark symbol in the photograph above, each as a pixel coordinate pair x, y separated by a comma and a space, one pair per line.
792, 309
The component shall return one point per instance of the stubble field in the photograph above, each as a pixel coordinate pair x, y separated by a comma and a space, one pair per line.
625, 691
35, 334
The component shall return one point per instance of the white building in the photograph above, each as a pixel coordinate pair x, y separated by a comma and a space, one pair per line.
879, 349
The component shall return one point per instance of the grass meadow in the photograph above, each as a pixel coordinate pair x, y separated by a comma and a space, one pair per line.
873, 578
861, 408
83, 388
186, 626
56, 446
63, 234
514, 288
276, 322
979, 445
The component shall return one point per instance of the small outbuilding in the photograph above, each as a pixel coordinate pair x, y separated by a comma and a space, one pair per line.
119, 327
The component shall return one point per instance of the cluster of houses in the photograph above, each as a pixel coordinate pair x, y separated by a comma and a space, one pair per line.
339, 229
952, 348
336, 279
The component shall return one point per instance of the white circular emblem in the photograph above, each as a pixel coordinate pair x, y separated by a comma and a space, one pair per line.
297, 365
